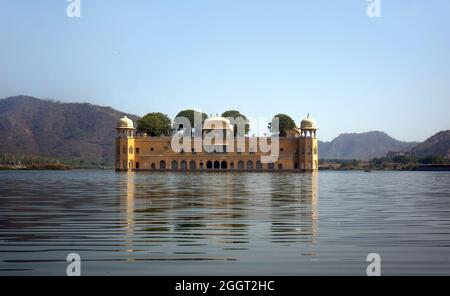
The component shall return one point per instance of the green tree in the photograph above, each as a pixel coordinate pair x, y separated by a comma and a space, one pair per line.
286, 123
404, 159
432, 159
235, 114
155, 124
190, 114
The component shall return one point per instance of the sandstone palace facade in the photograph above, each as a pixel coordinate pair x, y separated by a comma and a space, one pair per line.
138, 152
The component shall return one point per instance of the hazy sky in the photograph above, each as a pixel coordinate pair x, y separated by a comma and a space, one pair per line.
326, 57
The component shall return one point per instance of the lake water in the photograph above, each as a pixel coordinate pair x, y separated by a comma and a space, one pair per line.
224, 223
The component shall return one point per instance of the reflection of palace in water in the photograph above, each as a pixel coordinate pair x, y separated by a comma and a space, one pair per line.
297, 151
281, 207
299, 222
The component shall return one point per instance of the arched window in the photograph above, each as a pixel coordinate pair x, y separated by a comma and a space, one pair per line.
130, 150
209, 165
240, 165
259, 165
280, 166
249, 165
224, 165
162, 164
183, 165
192, 165
153, 166
217, 164
174, 165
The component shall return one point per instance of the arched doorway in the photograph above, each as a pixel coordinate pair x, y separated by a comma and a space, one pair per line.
240, 165
209, 165
224, 165
249, 165
192, 165
183, 165
216, 164
174, 165
259, 165
270, 166
280, 166
162, 164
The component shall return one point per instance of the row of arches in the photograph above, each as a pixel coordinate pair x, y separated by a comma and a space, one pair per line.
214, 165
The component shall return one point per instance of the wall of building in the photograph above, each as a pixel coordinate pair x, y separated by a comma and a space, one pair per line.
155, 153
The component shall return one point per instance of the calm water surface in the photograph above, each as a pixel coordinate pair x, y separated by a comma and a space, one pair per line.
224, 223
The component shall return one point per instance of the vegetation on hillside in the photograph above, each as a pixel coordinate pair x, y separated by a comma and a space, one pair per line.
438, 144
22, 162
66, 131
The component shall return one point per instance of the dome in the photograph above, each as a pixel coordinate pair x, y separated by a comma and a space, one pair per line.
125, 122
308, 123
217, 122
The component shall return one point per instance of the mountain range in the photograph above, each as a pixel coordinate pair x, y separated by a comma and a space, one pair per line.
362, 146
31, 126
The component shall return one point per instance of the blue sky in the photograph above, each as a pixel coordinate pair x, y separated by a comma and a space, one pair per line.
351, 72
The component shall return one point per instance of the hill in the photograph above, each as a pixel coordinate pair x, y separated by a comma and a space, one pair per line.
31, 126
361, 146
439, 144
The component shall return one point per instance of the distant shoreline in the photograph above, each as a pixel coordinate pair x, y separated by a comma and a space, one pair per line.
420, 168
431, 168
36, 167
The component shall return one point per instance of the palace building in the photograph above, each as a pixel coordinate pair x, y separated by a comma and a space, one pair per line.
298, 151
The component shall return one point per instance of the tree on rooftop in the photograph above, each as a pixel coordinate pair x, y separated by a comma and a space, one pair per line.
286, 124
236, 114
155, 124
190, 114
